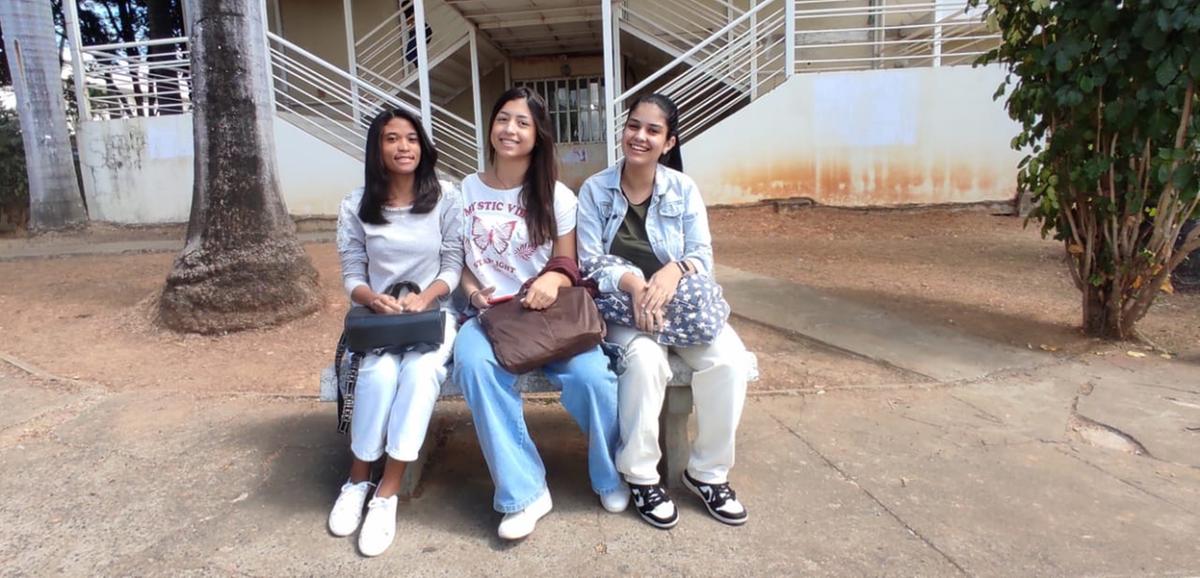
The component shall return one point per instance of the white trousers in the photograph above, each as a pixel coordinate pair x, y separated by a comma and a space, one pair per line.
394, 399
720, 372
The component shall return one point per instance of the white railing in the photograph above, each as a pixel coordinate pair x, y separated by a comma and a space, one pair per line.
337, 107
716, 76
386, 55
676, 26
148, 78
848, 35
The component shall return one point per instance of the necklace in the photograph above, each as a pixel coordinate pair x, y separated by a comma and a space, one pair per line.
495, 177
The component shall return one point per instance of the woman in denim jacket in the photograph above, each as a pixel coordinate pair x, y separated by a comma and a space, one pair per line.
646, 211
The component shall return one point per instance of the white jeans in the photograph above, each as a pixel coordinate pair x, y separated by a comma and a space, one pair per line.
394, 398
720, 372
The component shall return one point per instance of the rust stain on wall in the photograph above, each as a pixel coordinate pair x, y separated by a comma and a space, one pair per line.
898, 177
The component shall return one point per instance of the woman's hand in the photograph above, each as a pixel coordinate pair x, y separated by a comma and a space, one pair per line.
660, 290
543, 292
416, 302
481, 298
636, 287
381, 303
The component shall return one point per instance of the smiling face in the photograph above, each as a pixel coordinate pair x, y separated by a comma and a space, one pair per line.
400, 147
645, 138
513, 132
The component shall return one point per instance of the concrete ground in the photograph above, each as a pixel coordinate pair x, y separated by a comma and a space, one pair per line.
1009, 463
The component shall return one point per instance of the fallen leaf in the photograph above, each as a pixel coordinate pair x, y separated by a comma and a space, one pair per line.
1045, 347
1137, 354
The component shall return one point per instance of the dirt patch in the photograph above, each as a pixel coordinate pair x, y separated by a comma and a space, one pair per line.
87, 318
983, 274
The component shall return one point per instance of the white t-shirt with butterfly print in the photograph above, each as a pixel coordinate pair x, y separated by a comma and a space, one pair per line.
498, 250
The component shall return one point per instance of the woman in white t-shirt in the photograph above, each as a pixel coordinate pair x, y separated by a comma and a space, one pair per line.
516, 217
402, 225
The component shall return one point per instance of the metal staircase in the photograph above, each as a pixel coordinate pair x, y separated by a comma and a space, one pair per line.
724, 57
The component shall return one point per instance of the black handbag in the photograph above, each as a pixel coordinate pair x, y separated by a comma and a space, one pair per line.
366, 331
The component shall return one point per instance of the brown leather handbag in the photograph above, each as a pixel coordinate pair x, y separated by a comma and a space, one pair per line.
525, 339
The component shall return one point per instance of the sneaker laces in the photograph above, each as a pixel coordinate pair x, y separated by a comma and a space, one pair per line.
653, 496
377, 503
723, 492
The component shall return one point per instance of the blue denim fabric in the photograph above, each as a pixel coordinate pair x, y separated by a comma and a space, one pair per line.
676, 222
589, 393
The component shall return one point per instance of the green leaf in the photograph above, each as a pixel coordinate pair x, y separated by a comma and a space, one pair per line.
1163, 19
1166, 72
1154, 39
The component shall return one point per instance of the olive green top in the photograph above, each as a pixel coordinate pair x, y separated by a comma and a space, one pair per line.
633, 244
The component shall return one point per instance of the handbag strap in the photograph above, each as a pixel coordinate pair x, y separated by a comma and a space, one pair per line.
400, 287
346, 396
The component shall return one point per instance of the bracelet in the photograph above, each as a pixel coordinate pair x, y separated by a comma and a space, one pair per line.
683, 270
471, 297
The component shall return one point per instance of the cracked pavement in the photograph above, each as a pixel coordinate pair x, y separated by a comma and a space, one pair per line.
987, 477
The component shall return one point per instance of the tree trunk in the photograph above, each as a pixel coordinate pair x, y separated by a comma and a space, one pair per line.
29, 43
242, 266
1100, 318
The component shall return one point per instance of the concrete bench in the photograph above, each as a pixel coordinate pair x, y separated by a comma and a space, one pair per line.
672, 433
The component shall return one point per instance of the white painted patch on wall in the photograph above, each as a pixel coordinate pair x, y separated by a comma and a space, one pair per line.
139, 170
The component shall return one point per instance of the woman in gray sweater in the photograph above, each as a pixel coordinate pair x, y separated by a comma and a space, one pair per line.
402, 225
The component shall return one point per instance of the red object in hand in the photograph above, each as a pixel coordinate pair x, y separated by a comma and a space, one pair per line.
499, 300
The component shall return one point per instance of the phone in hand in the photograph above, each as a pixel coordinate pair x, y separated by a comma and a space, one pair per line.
498, 300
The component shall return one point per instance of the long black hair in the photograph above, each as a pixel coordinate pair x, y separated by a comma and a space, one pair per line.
426, 189
673, 158
537, 192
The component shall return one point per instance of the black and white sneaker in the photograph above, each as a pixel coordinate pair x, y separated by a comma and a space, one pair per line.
720, 500
654, 505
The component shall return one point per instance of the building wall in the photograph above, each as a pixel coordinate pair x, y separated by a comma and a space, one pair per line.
577, 161
873, 138
317, 26
140, 170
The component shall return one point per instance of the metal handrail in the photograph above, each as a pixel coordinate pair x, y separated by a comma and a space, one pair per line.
137, 44
134, 83
692, 51
339, 72
722, 78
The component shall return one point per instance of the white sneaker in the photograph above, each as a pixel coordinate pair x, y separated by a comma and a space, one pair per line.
347, 511
517, 525
616, 502
379, 529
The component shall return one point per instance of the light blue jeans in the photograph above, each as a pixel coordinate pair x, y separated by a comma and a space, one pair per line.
589, 392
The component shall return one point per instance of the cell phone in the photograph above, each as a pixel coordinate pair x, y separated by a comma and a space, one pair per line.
499, 300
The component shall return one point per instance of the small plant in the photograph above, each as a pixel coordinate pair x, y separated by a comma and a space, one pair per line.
1105, 92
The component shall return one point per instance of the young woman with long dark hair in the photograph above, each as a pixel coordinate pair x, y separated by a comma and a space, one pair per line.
646, 211
402, 225
518, 216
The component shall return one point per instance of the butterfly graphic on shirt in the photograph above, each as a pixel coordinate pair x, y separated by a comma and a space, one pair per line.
499, 237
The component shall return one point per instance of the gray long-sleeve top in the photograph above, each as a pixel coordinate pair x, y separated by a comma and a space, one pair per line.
410, 247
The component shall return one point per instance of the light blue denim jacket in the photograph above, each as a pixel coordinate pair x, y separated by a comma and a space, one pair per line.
676, 222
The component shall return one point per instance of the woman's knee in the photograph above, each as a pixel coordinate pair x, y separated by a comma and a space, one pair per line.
377, 373
646, 360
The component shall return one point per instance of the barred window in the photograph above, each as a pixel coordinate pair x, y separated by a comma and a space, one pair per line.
575, 105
